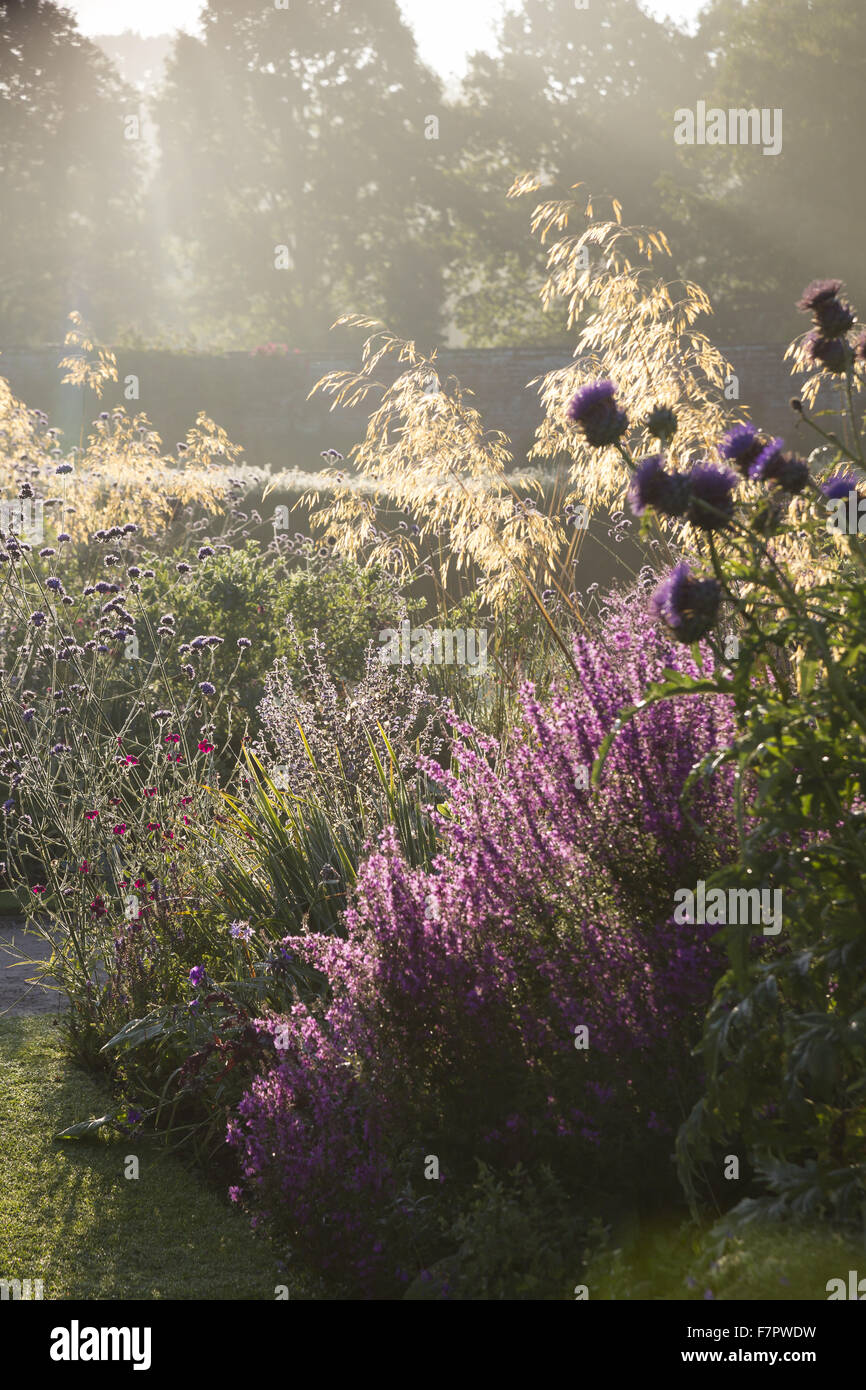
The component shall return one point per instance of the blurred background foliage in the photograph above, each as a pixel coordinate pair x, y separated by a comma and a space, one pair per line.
155, 206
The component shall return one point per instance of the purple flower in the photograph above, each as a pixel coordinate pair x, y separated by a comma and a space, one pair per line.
741, 446
840, 486
832, 315
204, 551
819, 292
653, 487
774, 465
197, 975
38, 618
710, 502
833, 354
206, 688
687, 605
594, 409
243, 643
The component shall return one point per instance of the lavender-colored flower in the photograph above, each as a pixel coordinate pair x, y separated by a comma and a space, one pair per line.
594, 409
204, 551
243, 643
784, 469
38, 619
653, 487
688, 606
206, 688
819, 292
839, 486
711, 504
54, 584
197, 975
832, 315
111, 559
46, 552
833, 354
183, 567
768, 461
63, 537
741, 445
63, 468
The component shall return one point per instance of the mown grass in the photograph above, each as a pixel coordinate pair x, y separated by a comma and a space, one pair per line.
69, 1217
757, 1263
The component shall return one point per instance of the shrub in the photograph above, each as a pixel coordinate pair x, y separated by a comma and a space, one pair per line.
454, 1002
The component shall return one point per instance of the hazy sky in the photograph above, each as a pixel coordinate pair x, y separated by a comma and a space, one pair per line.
445, 30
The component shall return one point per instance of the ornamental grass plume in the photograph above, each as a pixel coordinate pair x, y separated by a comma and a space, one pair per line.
121, 465
426, 451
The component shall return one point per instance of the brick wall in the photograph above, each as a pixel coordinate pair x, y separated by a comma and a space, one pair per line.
262, 405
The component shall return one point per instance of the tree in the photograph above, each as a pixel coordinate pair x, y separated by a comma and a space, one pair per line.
69, 180
296, 171
754, 228
574, 95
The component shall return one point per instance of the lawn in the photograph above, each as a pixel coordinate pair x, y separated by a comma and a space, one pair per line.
69, 1217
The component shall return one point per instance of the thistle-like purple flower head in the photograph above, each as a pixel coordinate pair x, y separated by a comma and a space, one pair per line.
785, 470
710, 503
595, 410
741, 446
819, 292
839, 486
653, 487
833, 354
686, 605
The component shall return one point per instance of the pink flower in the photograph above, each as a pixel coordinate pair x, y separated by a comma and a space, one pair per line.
205, 747
91, 815
39, 888
119, 829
